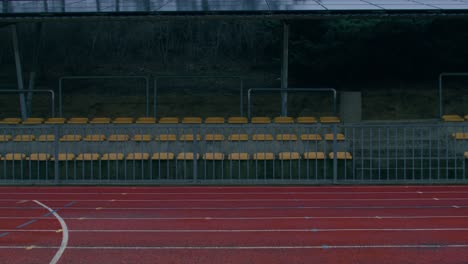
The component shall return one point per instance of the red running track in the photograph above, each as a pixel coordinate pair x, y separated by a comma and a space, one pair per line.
323, 224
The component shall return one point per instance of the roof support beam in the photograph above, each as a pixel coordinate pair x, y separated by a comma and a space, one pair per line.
284, 70
19, 69
32, 74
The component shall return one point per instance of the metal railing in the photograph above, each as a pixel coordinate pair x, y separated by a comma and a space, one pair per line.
234, 154
310, 90
441, 98
93, 77
238, 78
51, 92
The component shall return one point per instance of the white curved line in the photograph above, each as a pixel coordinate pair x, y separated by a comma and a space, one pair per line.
64, 243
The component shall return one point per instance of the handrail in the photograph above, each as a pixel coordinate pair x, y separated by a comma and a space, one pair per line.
241, 86
292, 90
92, 77
52, 96
441, 110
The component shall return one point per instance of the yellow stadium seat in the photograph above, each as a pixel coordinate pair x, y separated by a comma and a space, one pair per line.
140, 138
214, 137
46, 138
286, 137
238, 137
460, 136
100, 120
330, 137
14, 156
163, 156
39, 157
78, 120
187, 156
88, 157
213, 156
5, 138
55, 121
169, 120
71, 138
118, 138
137, 156
112, 156
452, 118
289, 156
191, 120
24, 138
95, 138
283, 120
260, 120
33, 121
329, 119
466, 118
11, 121
306, 120
340, 155
65, 156
238, 156
264, 156
189, 137
237, 120
166, 137
466, 155
314, 155
214, 120
145, 120
262, 137
123, 120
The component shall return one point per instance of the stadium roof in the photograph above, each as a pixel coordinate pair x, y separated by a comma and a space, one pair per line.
46, 9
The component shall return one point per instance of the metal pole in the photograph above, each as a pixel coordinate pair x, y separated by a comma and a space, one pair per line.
5, 6
19, 70
98, 6
241, 108
155, 96
147, 83
284, 70
32, 74
441, 111
46, 6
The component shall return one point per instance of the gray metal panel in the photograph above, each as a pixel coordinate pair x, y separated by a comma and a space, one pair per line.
124, 7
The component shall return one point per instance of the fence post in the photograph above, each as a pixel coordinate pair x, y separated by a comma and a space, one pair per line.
195, 152
335, 160
56, 154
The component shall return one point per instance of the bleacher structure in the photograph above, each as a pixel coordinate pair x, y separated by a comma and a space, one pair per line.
214, 150
233, 150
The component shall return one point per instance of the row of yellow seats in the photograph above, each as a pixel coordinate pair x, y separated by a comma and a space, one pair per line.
460, 136
170, 137
169, 120
454, 118
171, 156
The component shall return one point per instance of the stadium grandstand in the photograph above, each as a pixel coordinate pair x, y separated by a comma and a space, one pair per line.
238, 147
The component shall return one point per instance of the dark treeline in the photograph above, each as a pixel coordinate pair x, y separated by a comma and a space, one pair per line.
339, 52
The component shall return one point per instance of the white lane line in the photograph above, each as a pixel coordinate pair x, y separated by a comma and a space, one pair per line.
251, 200
239, 230
251, 207
245, 247
229, 193
245, 218
64, 243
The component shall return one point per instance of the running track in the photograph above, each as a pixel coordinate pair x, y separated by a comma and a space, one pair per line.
321, 224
